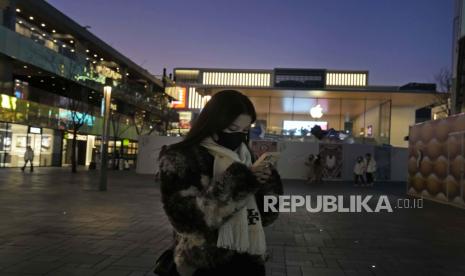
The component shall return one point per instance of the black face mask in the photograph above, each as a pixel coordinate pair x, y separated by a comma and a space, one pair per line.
231, 140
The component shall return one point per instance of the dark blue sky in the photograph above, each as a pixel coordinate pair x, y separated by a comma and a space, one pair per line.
398, 41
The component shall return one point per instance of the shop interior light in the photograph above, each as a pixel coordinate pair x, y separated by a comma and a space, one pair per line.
101, 59
32, 29
31, 17
71, 41
87, 51
44, 35
18, 10
95, 55
20, 22
25, 66
87, 58
43, 24
53, 31
72, 50
64, 45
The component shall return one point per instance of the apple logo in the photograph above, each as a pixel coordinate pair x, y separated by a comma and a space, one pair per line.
316, 111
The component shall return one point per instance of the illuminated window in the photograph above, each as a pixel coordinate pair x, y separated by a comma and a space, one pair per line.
346, 79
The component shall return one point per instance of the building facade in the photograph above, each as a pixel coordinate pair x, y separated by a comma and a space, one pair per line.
52, 73
458, 59
291, 101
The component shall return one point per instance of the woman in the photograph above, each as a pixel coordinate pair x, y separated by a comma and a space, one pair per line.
359, 170
310, 170
212, 195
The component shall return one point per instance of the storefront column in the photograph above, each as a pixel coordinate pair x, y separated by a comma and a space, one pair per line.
8, 13
6, 75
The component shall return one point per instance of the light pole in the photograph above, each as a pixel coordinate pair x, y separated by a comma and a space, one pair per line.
104, 145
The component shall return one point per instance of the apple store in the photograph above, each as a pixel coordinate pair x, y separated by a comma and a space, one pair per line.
289, 102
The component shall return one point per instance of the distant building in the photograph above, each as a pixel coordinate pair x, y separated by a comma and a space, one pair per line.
47, 61
458, 64
289, 100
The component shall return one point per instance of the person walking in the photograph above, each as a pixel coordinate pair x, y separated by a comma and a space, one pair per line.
359, 170
28, 157
370, 169
214, 197
310, 169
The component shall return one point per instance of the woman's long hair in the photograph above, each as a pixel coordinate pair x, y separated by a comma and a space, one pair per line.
219, 113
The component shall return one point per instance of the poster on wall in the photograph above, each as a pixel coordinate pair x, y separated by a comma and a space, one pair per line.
21, 141
331, 157
261, 146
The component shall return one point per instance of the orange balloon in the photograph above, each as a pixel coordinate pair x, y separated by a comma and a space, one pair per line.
418, 182
442, 130
434, 149
426, 167
458, 123
457, 167
412, 166
453, 147
433, 184
427, 132
440, 167
452, 188
414, 134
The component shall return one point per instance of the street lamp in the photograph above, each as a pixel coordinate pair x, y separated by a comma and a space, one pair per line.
106, 125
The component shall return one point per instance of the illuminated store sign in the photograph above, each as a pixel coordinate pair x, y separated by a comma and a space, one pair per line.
256, 79
181, 96
8, 102
35, 130
346, 79
107, 72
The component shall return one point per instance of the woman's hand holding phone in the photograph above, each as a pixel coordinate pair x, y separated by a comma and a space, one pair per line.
262, 172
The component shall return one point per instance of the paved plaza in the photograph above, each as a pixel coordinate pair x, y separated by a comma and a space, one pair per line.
53, 222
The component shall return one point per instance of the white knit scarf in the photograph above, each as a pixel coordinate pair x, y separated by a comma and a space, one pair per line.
243, 232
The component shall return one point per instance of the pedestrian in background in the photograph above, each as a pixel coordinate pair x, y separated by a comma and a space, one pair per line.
28, 157
310, 169
359, 170
370, 169
318, 169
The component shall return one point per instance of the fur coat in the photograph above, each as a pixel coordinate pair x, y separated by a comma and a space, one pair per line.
197, 208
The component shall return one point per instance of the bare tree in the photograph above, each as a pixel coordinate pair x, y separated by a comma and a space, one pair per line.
144, 122
80, 114
444, 84
119, 128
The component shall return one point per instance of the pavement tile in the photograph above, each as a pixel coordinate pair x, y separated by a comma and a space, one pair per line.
64, 226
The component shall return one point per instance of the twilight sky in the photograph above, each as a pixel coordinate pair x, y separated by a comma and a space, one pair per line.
398, 41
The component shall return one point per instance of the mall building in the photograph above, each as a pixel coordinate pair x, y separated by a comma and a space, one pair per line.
289, 100
52, 73
458, 59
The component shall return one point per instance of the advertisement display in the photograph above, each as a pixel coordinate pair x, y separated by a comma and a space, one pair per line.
436, 163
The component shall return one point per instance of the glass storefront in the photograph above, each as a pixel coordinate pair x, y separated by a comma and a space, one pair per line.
14, 138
